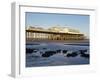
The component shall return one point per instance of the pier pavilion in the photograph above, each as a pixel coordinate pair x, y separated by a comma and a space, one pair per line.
54, 33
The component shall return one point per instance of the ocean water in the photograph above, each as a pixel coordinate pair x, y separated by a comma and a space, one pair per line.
35, 58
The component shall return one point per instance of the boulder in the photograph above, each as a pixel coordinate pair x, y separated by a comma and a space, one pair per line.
64, 51
85, 55
48, 53
28, 50
58, 51
73, 54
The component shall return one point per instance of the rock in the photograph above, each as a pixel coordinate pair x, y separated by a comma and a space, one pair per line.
28, 50
64, 51
68, 55
83, 51
85, 55
48, 53
73, 54
58, 51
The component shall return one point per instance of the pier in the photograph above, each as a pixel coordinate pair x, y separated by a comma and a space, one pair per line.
52, 35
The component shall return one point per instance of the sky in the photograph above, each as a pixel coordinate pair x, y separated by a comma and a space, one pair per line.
47, 20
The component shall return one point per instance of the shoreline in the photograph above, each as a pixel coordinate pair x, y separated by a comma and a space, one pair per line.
57, 41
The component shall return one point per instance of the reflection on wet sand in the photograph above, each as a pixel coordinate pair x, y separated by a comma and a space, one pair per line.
56, 54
